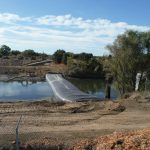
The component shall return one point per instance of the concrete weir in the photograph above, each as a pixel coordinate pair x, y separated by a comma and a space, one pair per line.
64, 90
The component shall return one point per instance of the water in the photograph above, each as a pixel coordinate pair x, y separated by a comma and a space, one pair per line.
94, 86
12, 91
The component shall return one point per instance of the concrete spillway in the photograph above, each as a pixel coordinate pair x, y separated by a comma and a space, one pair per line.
65, 91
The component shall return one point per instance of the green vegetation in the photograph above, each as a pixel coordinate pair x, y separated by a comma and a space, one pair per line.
15, 52
10, 57
130, 54
59, 56
91, 68
81, 65
29, 53
4, 50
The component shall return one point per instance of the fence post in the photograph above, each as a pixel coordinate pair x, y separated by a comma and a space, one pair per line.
17, 133
109, 80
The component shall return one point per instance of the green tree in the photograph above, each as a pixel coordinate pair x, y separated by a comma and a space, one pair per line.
127, 55
43, 56
76, 68
29, 53
15, 52
64, 58
94, 66
145, 42
83, 56
58, 55
4, 50
84, 69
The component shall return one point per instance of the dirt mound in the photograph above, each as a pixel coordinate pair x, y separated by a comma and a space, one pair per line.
134, 140
114, 106
138, 97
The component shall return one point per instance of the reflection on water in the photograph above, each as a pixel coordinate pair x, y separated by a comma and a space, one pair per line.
24, 90
37, 90
93, 86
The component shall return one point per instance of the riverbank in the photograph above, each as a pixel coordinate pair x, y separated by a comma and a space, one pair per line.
66, 123
31, 71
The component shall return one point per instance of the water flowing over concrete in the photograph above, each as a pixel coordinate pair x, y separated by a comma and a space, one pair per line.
65, 91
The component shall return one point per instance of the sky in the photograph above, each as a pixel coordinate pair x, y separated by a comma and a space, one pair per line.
73, 25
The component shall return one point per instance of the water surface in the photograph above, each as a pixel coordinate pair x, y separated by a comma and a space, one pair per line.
27, 91
94, 86
10, 91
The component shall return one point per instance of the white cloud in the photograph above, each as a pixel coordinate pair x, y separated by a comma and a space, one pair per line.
67, 32
95, 24
12, 18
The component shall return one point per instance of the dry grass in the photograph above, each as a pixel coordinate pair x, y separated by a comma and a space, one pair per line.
37, 70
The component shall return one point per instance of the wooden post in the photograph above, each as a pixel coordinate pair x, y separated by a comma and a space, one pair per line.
108, 88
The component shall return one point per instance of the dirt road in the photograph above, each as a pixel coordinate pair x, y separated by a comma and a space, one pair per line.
69, 122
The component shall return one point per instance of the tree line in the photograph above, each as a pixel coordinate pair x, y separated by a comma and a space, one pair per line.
82, 65
6, 51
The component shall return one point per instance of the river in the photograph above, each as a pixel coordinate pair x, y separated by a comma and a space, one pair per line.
28, 91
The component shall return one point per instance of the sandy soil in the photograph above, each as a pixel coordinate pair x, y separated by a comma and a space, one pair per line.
70, 122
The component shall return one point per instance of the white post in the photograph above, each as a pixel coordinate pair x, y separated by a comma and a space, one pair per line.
138, 77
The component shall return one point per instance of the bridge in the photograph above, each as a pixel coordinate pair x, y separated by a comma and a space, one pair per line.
64, 90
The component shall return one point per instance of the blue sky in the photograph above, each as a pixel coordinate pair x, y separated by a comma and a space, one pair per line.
73, 25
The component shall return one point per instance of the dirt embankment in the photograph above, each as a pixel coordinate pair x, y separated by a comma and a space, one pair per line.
34, 71
65, 125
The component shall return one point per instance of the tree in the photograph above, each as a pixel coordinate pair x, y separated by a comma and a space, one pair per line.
64, 58
127, 54
58, 55
15, 52
76, 68
29, 53
43, 55
83, 68
83, 56
5, 50
145, 42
